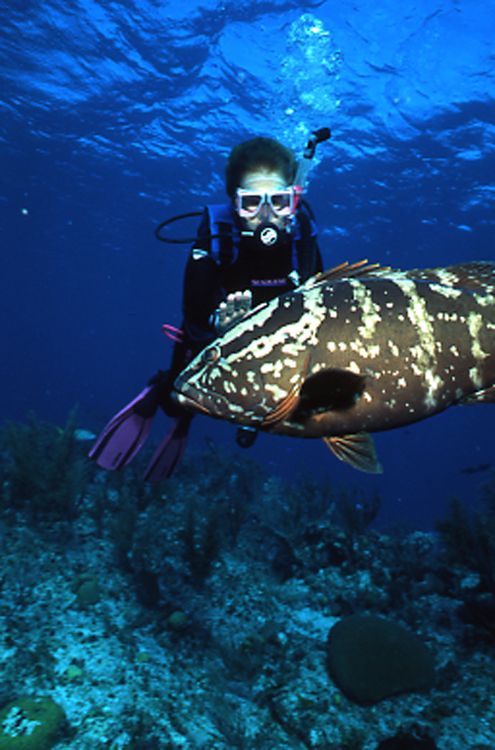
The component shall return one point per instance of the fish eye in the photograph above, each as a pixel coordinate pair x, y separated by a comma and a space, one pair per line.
211, 355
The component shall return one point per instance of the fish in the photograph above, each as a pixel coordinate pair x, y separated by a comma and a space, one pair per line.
83, 435
356, 350
475, 469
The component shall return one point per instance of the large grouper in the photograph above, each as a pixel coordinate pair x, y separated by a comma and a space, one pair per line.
358, 349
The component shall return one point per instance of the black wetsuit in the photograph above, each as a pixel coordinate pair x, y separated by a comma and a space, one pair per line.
211, 275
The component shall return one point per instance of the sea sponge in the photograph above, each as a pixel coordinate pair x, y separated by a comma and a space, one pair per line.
30, 724
371, 658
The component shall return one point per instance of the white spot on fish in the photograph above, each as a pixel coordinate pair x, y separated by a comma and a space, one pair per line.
393, 348
267, 367
416, 370
475, 324
425, 351
236, 408
370, 316
446, 291
370, 352
278, 393
475, 376
484, 300
434, 383
293, 349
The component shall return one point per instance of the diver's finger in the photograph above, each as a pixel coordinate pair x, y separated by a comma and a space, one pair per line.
230, 304
247, 301
222, 313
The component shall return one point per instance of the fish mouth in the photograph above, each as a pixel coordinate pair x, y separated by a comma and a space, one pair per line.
188, 402
214, 405
197, 400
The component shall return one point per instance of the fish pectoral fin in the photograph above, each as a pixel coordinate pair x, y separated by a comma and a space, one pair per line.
282, 411
486, 396
328, 390
290, 402
356, 450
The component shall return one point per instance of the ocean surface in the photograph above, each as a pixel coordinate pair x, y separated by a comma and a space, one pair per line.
117, 115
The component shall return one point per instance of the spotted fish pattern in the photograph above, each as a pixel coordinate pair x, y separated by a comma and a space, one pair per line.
357, 350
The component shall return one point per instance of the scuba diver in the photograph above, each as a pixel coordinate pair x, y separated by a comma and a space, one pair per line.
261, 244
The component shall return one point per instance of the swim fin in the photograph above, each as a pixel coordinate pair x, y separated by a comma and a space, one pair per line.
125, 434
169, 453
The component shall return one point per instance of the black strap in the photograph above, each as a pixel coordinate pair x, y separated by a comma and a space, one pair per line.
306, 250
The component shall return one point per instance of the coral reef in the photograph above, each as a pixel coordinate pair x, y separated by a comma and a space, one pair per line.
468, 544
196, 613
30, 724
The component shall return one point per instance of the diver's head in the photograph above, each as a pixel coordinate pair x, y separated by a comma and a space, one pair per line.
255, 153
259, 179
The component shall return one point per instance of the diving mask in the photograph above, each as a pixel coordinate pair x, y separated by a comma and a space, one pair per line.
282, 202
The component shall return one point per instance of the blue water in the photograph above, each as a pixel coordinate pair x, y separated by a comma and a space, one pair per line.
117, 115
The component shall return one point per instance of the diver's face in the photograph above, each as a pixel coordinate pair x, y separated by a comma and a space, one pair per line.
262, 180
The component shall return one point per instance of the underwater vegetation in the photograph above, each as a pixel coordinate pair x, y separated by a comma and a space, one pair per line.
43, 470
468, 545
224, 608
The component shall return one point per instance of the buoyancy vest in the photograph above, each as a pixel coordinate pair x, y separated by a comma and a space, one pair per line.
226, 237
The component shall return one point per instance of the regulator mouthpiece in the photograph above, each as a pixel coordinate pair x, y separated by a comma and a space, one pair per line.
268, 234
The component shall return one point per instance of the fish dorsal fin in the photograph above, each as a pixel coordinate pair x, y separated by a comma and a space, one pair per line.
475, 276
346, 271
356, 450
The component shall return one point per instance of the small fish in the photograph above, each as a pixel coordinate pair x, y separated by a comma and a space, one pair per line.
83, 435
356, 350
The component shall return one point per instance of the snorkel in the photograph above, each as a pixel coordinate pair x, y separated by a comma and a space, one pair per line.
304, 166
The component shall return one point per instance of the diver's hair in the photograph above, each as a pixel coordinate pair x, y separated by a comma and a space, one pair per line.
258, 152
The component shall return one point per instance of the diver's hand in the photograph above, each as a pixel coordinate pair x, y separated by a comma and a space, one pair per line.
232, 310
